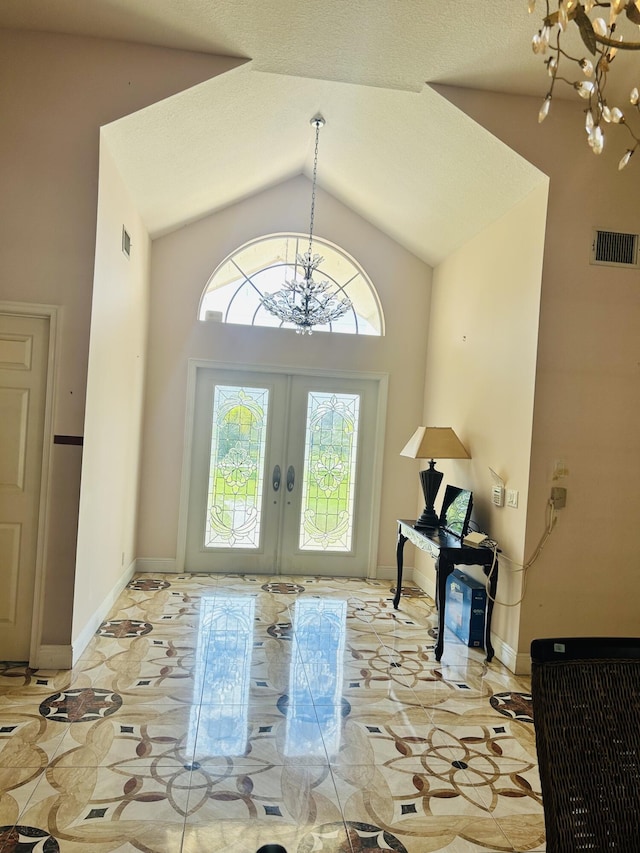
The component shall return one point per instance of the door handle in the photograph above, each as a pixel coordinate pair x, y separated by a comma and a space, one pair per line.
291, 478
276, 477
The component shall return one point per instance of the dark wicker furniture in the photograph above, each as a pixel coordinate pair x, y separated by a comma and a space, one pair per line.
586, 713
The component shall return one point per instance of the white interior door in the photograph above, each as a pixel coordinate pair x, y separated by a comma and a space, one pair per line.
24, 343
283, 473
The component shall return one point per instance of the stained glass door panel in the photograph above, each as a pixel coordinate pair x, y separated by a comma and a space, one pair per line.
236, 467
329, 472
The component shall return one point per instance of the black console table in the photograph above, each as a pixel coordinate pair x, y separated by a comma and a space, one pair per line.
448, 552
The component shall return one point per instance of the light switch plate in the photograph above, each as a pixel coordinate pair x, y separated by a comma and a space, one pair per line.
512, 498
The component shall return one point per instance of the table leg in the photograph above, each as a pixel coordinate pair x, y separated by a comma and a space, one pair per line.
443, 570
399, 561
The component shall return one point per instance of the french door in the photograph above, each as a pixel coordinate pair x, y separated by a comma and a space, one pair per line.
283, 473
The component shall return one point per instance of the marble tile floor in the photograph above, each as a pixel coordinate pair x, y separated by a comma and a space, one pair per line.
220, 713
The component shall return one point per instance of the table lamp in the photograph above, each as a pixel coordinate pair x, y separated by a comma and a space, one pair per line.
432, 443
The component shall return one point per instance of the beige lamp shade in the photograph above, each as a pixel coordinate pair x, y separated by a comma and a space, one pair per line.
435, 443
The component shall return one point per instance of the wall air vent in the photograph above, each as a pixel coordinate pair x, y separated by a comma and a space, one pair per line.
614, 249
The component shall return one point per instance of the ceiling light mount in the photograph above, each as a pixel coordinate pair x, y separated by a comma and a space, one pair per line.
602, 40
307, 303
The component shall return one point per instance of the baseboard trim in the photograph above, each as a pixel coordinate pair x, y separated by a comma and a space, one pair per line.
80, 643
53, 657
426, 582
387, 573
519, 663
156, 565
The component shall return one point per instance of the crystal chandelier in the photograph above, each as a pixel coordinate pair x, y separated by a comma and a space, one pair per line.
602, 39
307, 303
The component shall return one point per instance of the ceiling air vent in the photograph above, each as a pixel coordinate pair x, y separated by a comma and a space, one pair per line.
614, 249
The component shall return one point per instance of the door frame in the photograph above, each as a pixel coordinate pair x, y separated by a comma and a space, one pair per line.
196, 364
50, 313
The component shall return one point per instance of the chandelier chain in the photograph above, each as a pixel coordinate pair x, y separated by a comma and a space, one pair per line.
318, 124
305, 302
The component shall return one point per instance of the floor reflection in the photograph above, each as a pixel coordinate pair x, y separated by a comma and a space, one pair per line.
223, 670
319, 629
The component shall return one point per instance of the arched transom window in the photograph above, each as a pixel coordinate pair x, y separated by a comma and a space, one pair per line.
233, 292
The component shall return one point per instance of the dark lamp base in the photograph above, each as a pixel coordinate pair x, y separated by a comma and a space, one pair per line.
430, 480
427, 521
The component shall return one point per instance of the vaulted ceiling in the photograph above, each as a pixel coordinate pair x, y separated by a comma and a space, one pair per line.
393, 149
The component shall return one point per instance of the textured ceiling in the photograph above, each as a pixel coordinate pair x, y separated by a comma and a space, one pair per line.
396, 44
392, 149
402, 160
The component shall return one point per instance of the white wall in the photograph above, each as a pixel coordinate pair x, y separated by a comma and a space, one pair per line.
586, 397
481, 365
115, 387
181, 265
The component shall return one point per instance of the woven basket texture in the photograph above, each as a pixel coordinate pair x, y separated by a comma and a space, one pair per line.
587, 722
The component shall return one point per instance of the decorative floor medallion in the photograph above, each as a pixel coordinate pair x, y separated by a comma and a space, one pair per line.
280, 631
361, 837
122, 628
283, 588
26, 839
410, 592
518, 706
80, 706
148, 584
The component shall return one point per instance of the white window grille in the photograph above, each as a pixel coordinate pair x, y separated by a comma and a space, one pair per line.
233, 292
